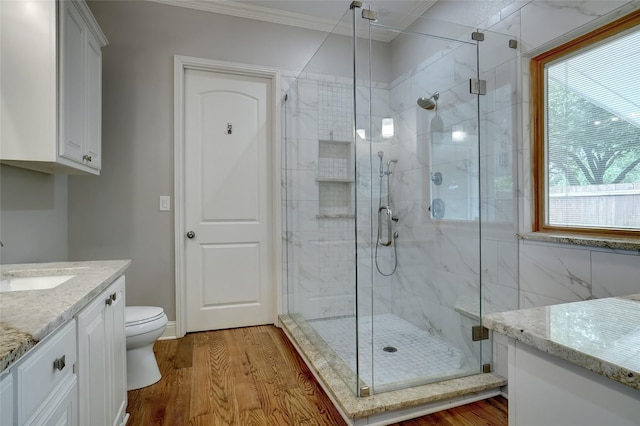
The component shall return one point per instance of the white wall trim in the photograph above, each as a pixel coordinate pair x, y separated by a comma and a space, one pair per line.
182, 63
169, 331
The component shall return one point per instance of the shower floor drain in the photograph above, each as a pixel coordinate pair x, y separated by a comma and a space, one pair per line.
389, 349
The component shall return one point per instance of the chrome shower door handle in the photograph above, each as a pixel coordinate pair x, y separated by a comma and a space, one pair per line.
389, 215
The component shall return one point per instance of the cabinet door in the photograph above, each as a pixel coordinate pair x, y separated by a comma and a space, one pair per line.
72, 82
28, 84
92, 363
6, 400
102, 358
93, 149
62, 410
116, 336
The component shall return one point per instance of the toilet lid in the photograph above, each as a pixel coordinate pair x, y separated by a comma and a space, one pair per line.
141, 314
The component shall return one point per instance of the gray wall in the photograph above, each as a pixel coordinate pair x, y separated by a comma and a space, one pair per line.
116, 215
33, 216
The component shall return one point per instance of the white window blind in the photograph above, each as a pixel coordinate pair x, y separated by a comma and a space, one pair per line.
592, 136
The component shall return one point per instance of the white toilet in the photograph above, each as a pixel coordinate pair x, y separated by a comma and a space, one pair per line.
144, 325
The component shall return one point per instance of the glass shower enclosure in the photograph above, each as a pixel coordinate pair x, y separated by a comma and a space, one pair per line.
388, 196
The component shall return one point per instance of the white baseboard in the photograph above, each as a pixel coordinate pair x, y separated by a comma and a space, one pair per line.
169, 331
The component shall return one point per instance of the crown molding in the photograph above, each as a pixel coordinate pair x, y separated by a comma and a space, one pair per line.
276, 16
242, 10
418, 10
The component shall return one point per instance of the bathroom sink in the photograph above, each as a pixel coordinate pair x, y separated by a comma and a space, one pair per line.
32, 283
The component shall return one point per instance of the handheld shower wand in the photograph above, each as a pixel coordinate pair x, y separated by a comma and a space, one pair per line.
385, 213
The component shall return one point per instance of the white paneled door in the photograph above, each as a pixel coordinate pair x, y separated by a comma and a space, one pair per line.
228, 200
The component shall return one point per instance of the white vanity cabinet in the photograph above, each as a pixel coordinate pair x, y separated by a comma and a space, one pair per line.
51, 86
547, 390
102, 358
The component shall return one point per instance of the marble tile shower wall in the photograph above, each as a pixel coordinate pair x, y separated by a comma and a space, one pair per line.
319, 220
439, 269
436, 264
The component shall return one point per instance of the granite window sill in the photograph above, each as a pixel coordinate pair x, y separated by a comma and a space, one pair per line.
589, 241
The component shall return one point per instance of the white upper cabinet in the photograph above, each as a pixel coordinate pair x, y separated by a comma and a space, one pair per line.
51, 72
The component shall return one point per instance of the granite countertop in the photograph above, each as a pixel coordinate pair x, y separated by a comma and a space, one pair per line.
601, 335
26, 317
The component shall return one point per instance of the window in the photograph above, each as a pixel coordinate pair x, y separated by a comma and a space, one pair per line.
586, 123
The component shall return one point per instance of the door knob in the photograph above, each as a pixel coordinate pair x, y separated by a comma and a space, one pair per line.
191, 234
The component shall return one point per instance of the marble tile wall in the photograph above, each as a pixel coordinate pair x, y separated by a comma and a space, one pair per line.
319, 220
440, 259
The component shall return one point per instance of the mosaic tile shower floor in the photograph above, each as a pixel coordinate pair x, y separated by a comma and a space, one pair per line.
419, 355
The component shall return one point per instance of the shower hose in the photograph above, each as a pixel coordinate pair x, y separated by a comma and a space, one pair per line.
395, 234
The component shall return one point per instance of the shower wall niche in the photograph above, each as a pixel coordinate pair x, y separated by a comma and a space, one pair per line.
335, 193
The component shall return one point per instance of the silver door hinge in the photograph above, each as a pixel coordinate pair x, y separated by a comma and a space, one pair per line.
479, 332
477, 87
369, 14
477, 36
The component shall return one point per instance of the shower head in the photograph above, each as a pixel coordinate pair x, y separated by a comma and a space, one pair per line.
380, 154
429, 103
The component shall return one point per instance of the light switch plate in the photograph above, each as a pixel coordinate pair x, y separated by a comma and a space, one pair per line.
165, 203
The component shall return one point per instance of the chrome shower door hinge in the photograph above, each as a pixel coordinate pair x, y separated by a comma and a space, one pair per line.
477, 87
477, 36
369, 14
479, 332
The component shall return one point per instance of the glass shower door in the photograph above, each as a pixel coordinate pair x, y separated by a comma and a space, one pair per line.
418, 201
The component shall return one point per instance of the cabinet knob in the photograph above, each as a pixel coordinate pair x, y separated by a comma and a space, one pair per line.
108, 301
86, 158
113, 297
59, 363
191, 234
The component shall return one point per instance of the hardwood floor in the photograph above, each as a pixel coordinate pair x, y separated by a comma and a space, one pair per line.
253, 376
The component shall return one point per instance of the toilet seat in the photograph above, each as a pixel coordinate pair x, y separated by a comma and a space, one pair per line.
138, 315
